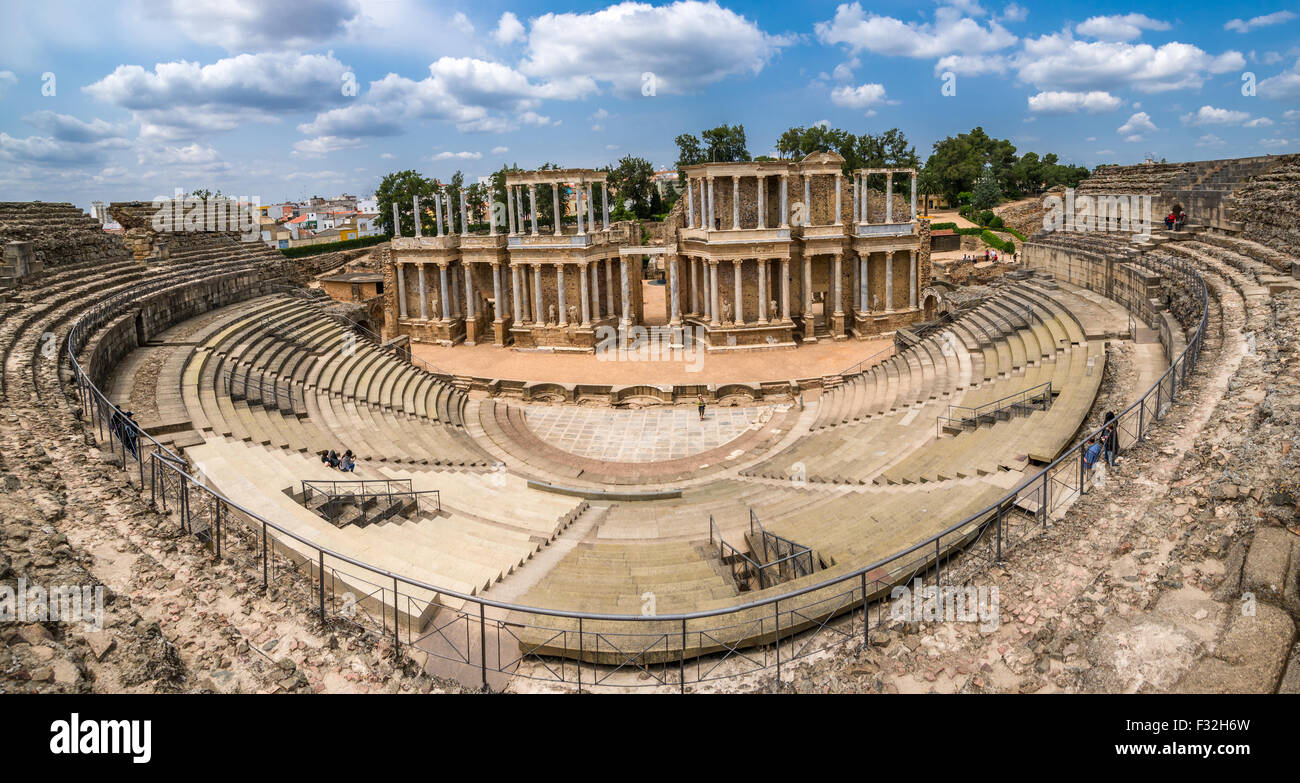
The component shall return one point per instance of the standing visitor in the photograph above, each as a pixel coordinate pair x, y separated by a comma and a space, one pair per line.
699, 403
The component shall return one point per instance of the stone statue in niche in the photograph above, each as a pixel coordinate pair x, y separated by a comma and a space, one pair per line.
434, 309
773, 312
550, 317
573, 314
726, 311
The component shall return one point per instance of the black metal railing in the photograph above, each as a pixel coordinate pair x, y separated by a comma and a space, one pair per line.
373, 499
1022, 403
586, 649
241, 385
783, 559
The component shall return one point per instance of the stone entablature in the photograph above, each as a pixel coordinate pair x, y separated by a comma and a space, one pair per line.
534, 288
778, 248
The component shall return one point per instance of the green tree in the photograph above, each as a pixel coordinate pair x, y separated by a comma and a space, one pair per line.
631, 184
400, 187
987, 194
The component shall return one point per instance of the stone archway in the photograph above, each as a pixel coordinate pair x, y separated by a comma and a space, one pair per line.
932, 302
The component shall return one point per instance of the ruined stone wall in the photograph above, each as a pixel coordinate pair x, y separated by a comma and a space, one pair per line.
60, 234
1268, 206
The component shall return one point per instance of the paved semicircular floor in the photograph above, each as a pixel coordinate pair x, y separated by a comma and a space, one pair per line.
645, 435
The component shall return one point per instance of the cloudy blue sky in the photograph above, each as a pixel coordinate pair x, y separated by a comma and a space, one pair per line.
112, 100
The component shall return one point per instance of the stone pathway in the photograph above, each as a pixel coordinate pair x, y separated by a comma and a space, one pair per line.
647, 435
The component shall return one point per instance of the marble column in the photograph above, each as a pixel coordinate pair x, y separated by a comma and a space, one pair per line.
704, 208
674, 316
889, 281
785, 290
807, 287
889, 197
839, 180
865, 211
401, 287
609, 286
695, 286
437, 214
555, 209
515, 299
415, 213
499, 309
857, 199
578, 210
911, 285
397, 220
711, 205
457, 273
690, 205
424, 294
807, 200
864, 283
604, 203
762, 186
443, 307
913, 202
562, 312
785, 201
738, 312
762, 290
471, 309
714, 303
839, 294
539, 315
510, 208
464, 215
532, 208
735, 202
586, 294
446, 206
595, 291
591, 209
626, 291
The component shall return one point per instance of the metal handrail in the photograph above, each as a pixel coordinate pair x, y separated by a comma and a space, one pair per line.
1042, 391
163, 459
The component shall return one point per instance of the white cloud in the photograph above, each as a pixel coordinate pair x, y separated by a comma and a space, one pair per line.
1259, 122
192, 159
1210, 140
1245, 26
500, 150
1211, 115
1062, 102
960, 43
1135, 125
7, 80
323, 145
863, 96
1275, 143
1055, 62
472, 94
458, 155
1014, 13
387, 155
50, 151
462, 23
686, 45
65, 127
509, 29
1291, 115
1283, 87
1119, 28
256, 25
533, 118
1136, 137
180, 100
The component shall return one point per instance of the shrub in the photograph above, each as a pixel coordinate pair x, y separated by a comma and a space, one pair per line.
330, 247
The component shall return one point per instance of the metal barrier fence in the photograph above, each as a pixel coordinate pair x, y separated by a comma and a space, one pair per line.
337, 496
1025, 401
241, 385
476, 635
